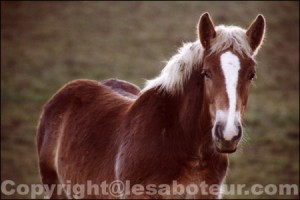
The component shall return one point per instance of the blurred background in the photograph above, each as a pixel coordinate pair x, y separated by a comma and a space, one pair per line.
46, 44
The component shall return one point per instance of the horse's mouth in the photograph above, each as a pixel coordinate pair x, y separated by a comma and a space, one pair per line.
225, 150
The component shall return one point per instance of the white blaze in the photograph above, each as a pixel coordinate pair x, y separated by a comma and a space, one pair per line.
230, 65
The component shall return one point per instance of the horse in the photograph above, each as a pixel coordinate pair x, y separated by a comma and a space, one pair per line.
180, 127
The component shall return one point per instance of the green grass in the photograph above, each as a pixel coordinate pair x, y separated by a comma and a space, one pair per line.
44, 45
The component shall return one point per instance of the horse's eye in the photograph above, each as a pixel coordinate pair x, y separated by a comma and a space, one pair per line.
206, 74
251, 76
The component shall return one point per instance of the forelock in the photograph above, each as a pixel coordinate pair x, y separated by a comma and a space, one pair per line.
230, 37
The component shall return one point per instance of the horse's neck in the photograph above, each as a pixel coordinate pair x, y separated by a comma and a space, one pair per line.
194, 111
185, 117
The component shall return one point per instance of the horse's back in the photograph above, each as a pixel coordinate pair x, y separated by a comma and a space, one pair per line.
76, 94
122, 87
80, 120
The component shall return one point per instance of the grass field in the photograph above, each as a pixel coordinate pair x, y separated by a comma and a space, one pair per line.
44, 45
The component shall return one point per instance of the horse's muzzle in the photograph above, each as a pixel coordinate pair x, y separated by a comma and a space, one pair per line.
226, 146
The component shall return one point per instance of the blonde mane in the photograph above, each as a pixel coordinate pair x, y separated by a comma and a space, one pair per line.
180, 67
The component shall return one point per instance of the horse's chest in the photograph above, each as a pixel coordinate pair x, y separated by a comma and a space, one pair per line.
203, 179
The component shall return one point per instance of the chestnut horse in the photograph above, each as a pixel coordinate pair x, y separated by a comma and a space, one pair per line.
180, 127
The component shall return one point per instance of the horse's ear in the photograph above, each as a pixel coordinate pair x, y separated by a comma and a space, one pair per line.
256, 32
206, 30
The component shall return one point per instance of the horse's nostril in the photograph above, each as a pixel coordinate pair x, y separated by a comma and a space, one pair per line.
237, 137
218, 131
